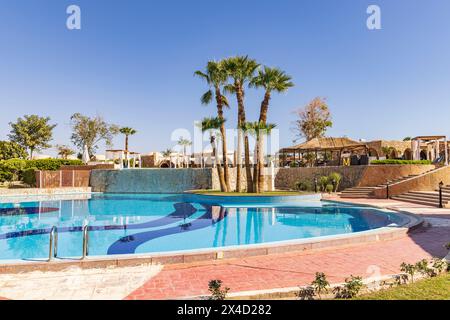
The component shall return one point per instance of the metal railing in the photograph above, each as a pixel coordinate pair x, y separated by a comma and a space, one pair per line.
85, 242
53, 244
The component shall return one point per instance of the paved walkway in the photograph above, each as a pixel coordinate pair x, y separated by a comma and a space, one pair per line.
294, 269
248, 274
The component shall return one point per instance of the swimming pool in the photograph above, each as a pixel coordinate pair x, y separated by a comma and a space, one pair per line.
149, 223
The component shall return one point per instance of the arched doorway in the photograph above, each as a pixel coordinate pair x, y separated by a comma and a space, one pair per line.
407, 155
423, 155
373, 153
166, 164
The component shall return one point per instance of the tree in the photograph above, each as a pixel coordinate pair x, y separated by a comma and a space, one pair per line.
242, 70
64, 151
388, 151
258, 129
314, 120
184, 143
212, 125
90, 131
11, 150
407, 139
272, 80
216, 77
127, 131
32, 132
168, 154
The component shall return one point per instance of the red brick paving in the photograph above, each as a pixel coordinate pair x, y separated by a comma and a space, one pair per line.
294, 269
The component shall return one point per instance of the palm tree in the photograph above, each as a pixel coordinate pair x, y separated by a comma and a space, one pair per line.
211, 125
64, 151
216, 77
184, 143
168, 154
241, 69
258, 129
272, 80
127, 131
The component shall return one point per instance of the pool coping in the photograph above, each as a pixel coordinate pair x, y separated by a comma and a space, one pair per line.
223, 253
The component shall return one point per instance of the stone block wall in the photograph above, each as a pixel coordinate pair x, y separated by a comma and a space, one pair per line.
353, 176
150, 180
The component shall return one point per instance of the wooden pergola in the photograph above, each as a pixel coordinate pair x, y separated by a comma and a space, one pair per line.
124, 156
324, 145
434, 145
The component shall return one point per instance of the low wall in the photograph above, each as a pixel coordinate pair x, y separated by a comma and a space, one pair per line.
150, 180
427, 182
353, 176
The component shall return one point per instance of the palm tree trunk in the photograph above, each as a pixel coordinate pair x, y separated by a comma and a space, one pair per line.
260, 163
219, 168
239, 159
241, 110
224, 138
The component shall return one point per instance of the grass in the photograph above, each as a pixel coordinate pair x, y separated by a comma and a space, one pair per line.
243, 194
437, 288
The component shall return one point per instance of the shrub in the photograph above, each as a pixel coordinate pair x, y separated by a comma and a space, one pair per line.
409, 269
14, 169
322, 183
217, 293
320, 284
394, 161
351, 288
29, 176
329, 188
335, 179
307, 293
304, 185
423, 268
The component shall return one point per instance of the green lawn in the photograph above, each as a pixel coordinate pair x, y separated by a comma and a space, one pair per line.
239, 194
437, 288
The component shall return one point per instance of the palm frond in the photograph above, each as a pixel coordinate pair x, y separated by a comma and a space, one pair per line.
207, 97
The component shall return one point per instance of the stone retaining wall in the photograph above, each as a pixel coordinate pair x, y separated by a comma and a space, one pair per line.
353, 176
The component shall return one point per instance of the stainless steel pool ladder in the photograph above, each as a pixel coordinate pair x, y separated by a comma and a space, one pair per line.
85, 242
53, 245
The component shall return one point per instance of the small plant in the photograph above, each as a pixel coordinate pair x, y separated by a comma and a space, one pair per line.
423, 268
330, 188
409, 269
335, 179
217, 293
303, 185
307, 293
320, 284
351, 288
401, 279
322, 183
439, 265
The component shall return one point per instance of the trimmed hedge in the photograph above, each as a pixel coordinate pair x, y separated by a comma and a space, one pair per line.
395, 161
23, 170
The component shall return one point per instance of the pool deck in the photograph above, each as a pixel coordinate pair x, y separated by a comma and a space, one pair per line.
248, 276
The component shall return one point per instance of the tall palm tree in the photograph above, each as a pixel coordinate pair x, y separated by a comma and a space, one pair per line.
127, 131
184, 143
272, 80
216, 77
241, 69
258, 129
211, 125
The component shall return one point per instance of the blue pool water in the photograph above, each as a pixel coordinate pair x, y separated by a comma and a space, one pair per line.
145, 223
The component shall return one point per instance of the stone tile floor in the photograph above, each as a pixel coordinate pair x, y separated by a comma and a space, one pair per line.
248, 274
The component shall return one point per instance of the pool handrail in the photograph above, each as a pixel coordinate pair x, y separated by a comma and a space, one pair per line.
53, 244
85, 241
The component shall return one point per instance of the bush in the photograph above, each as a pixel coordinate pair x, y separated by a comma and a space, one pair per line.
351, 288
29, 177
304, 185
394, 161
215, 288
23, 170
335, 179
329, 188
322, 182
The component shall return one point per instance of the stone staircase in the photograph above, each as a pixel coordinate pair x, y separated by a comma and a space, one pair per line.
366, 192
428, 198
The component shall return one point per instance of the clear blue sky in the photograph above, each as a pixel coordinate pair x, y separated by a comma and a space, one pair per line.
133, 63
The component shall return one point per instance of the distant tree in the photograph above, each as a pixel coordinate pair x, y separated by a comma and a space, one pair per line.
32, 132
314, 120
11, 150
407, 139
64, 151
388, 151
168, 154
127, 132
184, 143
91, 131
